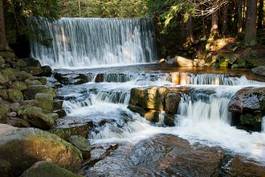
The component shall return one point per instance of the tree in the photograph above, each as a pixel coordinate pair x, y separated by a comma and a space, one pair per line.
251, 29
3, 41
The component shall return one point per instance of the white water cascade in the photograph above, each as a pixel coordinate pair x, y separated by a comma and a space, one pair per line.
93, 42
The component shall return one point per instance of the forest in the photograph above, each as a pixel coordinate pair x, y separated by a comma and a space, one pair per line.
181, 26
128, 88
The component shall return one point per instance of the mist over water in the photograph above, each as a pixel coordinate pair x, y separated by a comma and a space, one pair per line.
94, 42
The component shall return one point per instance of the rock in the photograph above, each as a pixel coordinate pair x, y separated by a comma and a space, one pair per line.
260, 70
17, 122
99, 77
30, 82
240, 166
36, 117
57, 104
47, 169
180, 61
22, 147
4, 109
19, 85
82, 144
22, 76
12, 114
172, 102
61, 113
32, 62
152, 116
46, 71
3, 94
31, 91
15, 95
65, 132
44, 101
5, 168
9, 74
248, 108
162, 155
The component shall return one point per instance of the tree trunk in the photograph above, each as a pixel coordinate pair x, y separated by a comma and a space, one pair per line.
224, 28
3, 41
214, 29
260, 15
189, 29
251, 29
240, 15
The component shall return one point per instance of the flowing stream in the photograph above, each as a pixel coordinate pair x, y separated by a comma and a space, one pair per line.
202, 116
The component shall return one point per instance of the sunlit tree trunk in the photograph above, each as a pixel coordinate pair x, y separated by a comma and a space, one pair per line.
240, 15
3, 41
260, 14
189, 29
251, 29
214, 29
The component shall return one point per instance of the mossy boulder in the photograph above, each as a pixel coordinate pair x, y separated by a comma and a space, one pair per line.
15, 95
66, 132
3, 94
22, 76
19, 85
47, 169
31, 82
4, 109
9, 74
31, 91
22, 147
248, 107
35, 116
44, 101
82, 144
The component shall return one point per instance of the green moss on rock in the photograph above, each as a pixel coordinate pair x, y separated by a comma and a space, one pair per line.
15, 95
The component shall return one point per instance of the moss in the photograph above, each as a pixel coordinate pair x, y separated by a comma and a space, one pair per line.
36, 117
15, 95
47, 169
19, 85
44, 101
4, 109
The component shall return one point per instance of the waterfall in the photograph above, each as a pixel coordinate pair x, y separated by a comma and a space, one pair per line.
94, 42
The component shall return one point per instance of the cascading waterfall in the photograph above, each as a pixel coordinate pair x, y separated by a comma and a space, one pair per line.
202, 116
94, 42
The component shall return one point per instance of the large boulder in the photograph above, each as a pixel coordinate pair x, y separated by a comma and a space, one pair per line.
35, 116
162, 155
22, 147
31, 91
47, 169
151, 102
248, 108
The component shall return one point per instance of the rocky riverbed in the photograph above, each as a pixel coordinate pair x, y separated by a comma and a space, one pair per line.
128, 123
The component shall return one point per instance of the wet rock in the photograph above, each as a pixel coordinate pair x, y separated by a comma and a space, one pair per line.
35, 116
65, 132
44, 101
32, 62
150, 102
99, 77
162, 155
82, 144
172, 102
46, 71
15, 95
69, 79
47, 169
22, 147
248, 108
57, 104
260, 70
30, 92
180, 61
240, 166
